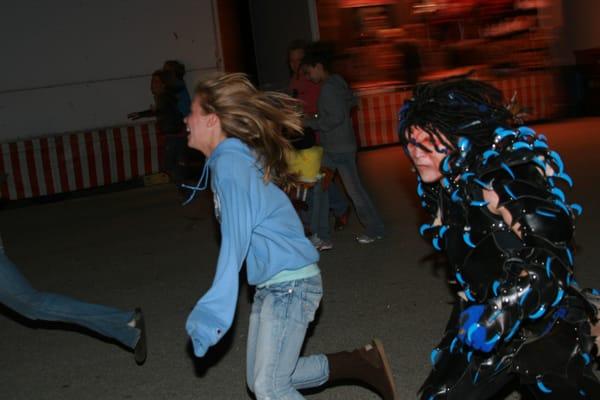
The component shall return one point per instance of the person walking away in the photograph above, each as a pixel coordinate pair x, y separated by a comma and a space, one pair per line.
338, 140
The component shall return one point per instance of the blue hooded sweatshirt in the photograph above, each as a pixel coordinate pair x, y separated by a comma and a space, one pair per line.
259, 225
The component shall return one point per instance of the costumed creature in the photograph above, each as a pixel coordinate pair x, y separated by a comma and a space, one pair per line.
496, 196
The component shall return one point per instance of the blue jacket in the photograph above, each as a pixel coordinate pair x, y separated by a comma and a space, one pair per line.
183, 99
259, 225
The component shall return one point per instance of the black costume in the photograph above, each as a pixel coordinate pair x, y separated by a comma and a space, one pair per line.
522, 313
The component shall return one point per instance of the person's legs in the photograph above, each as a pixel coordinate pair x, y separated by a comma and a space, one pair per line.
562, 360
345, 163
338, 202
304, 207
284, 315
319, 224
170, 155
456, 376
18, 294
467, 387
257, 303
181, 157
456, 372
174, 158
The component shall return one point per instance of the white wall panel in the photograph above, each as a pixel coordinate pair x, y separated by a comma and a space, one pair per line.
79, 64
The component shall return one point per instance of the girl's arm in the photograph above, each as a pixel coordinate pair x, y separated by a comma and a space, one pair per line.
212, 316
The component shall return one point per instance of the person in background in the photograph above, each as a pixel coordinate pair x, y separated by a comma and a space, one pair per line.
16, 293
338, 140
176, 71
307, 92
170, 124
300, 87
305, 163
191, 161
243, 133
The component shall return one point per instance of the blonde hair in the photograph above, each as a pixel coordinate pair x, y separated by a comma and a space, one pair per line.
265, 121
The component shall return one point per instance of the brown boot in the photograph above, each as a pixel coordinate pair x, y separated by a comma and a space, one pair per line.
369, 365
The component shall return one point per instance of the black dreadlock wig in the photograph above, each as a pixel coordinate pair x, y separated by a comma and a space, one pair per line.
453, 108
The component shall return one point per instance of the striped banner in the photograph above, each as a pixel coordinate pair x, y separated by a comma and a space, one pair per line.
64, 163
75, 161
540, 94
376, 119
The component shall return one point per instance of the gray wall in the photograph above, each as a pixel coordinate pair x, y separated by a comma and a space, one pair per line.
275, 24
70, 65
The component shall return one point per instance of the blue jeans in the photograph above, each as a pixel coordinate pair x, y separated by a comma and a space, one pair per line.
319, 216
337, 199
345, 164
319, 210
279, 319
17, 294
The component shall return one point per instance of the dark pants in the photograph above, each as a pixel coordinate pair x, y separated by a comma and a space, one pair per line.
174, 162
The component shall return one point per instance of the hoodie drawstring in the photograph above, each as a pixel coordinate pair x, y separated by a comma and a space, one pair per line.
200, 186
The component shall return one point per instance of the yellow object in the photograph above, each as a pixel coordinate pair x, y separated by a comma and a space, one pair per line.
156, 179
306, 163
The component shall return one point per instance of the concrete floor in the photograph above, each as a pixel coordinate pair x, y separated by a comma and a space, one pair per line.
141, 248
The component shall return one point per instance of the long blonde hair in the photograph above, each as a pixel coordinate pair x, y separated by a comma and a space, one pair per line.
265, 121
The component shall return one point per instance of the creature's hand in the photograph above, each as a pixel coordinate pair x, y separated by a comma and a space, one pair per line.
476, 331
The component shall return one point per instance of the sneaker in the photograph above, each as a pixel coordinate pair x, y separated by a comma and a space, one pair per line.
315, 240
325, 245
366, 239
320, 244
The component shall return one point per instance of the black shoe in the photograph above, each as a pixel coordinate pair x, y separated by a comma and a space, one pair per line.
140, 348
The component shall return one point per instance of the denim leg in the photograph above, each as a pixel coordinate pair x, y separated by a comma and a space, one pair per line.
311, 371
285, 313
310, 203
253, 326
17, 294
345, 163
305, 214
337, 199
319, 221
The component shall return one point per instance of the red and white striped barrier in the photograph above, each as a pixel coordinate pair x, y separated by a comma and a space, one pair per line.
540, 93
69, 162
64, 163
376, 119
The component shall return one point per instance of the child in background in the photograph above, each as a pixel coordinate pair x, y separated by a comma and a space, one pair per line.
170, 124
